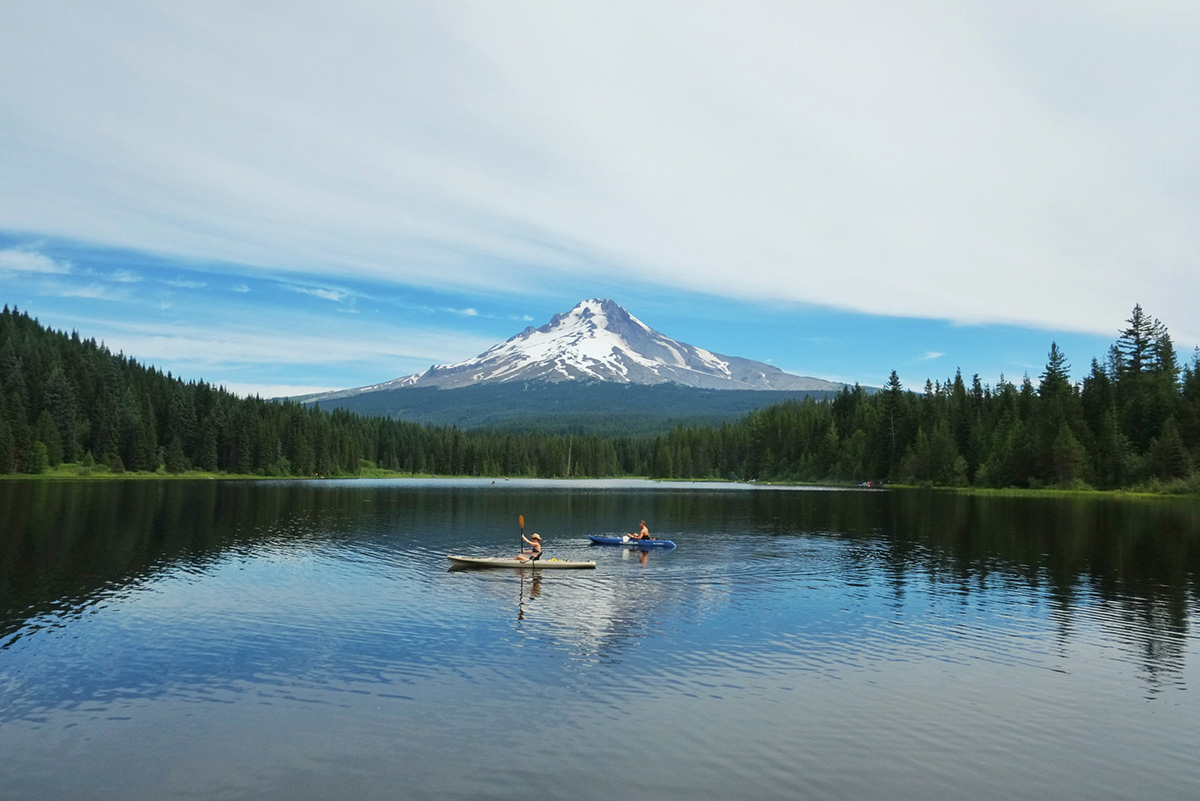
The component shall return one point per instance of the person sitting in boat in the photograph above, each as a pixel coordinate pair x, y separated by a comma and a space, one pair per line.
532, 553
642, 534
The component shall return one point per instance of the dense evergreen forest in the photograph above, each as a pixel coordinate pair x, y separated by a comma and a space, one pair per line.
1133, 421
64, 399
603, 408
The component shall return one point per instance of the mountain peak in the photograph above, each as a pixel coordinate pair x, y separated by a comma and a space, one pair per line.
595, 314
598, 340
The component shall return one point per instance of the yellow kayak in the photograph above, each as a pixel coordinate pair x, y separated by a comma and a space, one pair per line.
508, 561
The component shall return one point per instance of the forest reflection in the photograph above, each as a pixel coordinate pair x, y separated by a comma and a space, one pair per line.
1130, 565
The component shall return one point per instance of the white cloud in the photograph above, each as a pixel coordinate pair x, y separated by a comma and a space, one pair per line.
88, 292
185, 283
976, 162
298, 340
930, 355
27, 261
323, 294
276, 390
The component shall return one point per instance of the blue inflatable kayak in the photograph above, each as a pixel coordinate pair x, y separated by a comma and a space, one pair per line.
630, 542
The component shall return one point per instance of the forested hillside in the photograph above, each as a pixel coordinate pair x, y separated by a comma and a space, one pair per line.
1133, 420
604, 408
67, 399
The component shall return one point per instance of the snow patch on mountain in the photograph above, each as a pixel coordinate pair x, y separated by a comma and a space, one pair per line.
599, 340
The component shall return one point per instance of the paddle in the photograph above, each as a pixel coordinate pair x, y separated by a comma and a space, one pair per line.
521, 549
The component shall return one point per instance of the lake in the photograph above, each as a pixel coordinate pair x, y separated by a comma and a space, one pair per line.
307, 640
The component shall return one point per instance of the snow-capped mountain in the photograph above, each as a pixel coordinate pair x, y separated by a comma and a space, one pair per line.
600, 341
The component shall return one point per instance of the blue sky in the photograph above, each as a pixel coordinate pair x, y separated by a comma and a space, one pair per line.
282, 198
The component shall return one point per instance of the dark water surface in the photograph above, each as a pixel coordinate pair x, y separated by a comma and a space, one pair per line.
238, 640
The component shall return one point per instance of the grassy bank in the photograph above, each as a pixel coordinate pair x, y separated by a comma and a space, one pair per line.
74, 471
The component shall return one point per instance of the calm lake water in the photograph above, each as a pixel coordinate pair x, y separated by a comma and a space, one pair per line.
277, 640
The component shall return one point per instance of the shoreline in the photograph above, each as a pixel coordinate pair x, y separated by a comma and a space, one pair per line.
77, 472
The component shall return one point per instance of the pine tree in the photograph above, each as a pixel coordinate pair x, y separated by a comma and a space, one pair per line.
173, 460
59, 401
39, 460
1135, 345
892, 399
1134, 362
1189, 406
1167, 457
1114, 461
1058, 408
45, 431
1068, 458
8, 450
962, 417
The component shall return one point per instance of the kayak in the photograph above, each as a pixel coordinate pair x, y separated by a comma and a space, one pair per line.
508, 561
632, 543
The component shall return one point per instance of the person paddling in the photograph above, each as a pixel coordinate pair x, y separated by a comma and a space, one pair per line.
534, 552
643, 532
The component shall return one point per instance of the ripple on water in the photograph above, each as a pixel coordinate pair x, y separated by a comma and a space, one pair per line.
815, 665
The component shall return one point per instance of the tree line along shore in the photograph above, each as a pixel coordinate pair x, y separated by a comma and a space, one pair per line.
69, 405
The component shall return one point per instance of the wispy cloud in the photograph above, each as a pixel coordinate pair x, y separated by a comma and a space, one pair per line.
276, 390
324, 294
934, 163
27, 261
740, 166
240, 345
87, 291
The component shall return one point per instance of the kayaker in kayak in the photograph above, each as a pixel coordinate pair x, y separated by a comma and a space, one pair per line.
532, 553
642, 534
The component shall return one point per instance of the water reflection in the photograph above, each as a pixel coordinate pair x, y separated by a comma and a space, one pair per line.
794, 637
67, 546
535, 589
